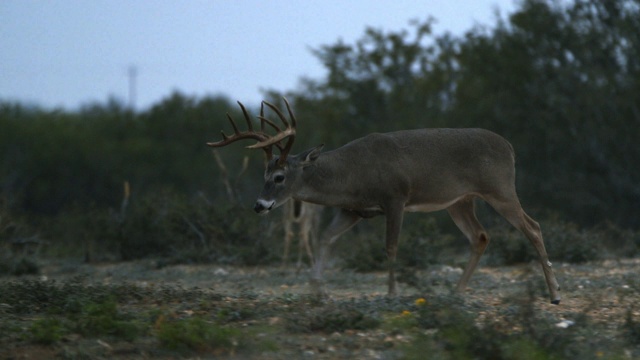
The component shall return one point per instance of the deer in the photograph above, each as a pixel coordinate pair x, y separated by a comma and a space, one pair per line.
307, 217
388, 174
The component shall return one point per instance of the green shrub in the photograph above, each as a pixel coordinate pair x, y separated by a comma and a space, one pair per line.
47, 331
195, 334
632, 328
423, 243
332, 318
18, 266
509, 246
449, 327
25, 266
564, 242
569, 243
367, 252
98, 319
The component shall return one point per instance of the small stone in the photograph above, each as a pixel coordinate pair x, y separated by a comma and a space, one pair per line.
565, 324
220, 272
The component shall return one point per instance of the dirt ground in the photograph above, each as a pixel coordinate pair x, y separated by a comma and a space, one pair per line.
606, 292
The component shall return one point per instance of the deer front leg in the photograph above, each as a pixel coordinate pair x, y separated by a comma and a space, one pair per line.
341, 222
394, 215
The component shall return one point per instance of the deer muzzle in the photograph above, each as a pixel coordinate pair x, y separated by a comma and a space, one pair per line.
263, 206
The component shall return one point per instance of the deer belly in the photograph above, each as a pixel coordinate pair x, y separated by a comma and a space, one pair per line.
432, 205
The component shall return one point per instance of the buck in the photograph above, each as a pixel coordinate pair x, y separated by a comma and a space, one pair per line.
389, 173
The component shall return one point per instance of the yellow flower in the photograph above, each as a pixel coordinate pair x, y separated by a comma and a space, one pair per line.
406, 313
421, 301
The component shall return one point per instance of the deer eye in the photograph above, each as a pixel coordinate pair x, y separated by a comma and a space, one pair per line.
278, 179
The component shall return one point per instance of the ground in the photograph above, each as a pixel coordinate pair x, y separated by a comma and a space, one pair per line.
275, 317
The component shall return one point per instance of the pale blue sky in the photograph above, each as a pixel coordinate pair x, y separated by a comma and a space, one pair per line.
67, 53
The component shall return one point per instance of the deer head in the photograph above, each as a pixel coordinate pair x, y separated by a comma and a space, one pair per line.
283, 171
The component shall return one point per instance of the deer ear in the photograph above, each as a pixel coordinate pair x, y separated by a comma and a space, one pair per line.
309, 156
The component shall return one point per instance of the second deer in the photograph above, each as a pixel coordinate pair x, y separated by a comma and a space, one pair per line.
387, 174
306, 218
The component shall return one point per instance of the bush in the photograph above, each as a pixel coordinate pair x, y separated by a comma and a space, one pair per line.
19, 266
448, 328
332, 318
99, 319
195, 334
47, 331
564, 242
366, 251
571, 244
421, 244
632, 328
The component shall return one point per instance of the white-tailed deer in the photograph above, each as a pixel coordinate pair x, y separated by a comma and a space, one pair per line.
307, 218
387, 174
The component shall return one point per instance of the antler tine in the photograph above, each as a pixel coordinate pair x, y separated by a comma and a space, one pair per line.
233, 124
293, 117
263, 121
288, 132
261, 116
279, 113
246, 116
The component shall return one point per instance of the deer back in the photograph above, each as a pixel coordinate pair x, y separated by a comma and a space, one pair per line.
425, 165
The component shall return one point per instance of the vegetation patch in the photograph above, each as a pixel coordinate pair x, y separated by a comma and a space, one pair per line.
195, 333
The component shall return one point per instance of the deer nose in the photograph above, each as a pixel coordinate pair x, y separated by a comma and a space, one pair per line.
263, 206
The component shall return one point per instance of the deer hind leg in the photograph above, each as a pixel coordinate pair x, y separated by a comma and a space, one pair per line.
511, 210
464, 216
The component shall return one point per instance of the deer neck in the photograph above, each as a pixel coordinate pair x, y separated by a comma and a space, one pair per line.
321, 182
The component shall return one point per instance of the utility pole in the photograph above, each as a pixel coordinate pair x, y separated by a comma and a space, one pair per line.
132, 72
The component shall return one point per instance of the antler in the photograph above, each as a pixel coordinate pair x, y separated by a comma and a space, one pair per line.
288, 132
265, 141
249, 134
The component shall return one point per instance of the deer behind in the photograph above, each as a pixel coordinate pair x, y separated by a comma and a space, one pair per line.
387, 174
307, 218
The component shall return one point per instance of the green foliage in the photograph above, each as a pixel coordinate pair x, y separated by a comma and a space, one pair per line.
332, 318
632, 327
366, 251
509, 246
565, 242
447, 329
197, 334
571, 244
19, 266
99, 319
423, 243
47, 331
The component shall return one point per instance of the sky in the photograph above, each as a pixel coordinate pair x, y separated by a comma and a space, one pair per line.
72, 53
